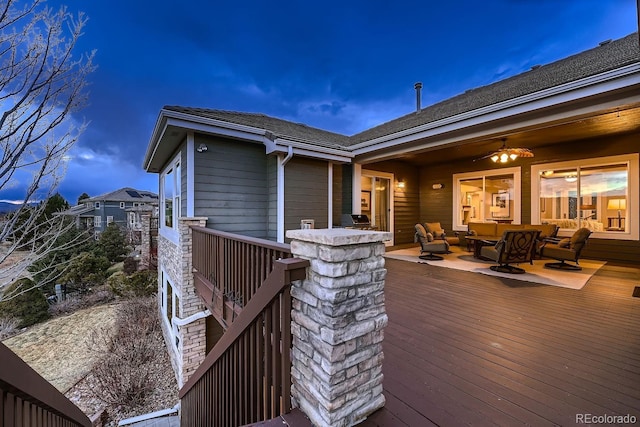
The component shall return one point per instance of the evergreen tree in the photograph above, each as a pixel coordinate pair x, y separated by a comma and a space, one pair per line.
112, 243
29, 304
82, 197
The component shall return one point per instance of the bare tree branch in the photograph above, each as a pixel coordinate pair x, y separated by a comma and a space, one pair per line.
42, 84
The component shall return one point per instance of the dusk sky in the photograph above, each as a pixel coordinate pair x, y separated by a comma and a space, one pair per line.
343, 66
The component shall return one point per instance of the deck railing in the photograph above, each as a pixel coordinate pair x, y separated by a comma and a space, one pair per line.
229, 269
28, 399
246, 377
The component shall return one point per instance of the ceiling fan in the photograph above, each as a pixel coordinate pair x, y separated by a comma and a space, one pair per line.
506, 154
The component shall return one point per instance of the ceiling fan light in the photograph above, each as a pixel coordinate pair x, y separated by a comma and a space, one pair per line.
504, 157
495, 158
513, 156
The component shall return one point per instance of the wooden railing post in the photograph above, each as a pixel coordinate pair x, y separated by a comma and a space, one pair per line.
24, 392
337, 323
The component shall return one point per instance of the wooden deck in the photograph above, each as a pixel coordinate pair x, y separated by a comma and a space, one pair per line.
464, 348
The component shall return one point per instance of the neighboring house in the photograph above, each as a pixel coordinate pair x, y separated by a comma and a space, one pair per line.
260, 176
122, 207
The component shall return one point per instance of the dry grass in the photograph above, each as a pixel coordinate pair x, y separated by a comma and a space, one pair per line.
58, 350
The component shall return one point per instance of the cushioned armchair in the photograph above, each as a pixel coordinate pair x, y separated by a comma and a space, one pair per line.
515, 247
567, 249
429, 245
438, 233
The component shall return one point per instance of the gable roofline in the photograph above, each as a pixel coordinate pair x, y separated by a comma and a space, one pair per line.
608, 67
276, 135
121, 195
575, 91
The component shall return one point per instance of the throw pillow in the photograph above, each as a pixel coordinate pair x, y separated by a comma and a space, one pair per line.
565, 243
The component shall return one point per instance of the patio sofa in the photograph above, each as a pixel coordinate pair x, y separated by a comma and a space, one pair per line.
494, 231
573, 224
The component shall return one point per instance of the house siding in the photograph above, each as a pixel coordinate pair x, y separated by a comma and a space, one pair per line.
437, 204
337, 198
272, 186
306, 192
406, 201
231, 186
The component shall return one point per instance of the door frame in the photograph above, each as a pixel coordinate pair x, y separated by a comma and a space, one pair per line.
368, 173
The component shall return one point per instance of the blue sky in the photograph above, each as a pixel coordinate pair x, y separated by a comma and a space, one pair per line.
343, 66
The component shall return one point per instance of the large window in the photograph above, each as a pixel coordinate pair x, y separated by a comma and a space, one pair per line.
170, 194
486, 196
598, 194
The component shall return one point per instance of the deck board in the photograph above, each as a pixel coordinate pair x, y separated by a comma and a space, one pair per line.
465, 348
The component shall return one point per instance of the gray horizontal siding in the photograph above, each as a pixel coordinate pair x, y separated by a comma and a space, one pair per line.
231, 186
306, 192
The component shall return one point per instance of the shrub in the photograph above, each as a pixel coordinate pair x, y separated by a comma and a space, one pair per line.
130, 265
124, 374
29, 305
101, 295
139, 284
8, 327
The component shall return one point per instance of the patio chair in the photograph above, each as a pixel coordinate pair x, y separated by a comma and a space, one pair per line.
568, 249
429, 245
515, 247
438, 233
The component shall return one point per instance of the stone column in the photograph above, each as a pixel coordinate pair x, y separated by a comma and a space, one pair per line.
338, 317
192, 336
145, 241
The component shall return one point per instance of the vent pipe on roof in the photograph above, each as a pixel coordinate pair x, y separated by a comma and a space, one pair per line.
418, 88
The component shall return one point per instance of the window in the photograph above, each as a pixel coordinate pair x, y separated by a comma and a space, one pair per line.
97, 205
598, 194
97, 221
109, 219
486, 196
170, 193
170, 302
121, 205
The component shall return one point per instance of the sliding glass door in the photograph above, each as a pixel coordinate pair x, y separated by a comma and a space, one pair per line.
376, 199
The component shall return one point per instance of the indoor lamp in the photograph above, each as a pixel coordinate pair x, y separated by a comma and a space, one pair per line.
620, 205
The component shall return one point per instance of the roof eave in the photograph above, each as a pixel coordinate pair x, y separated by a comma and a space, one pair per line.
579, 89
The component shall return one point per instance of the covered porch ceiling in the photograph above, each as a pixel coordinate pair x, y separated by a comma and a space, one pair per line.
609, 122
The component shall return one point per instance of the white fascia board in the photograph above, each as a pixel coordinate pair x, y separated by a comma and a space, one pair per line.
158, 132
310, 150
594, 85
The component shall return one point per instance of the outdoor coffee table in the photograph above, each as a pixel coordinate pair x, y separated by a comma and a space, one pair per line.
477, 242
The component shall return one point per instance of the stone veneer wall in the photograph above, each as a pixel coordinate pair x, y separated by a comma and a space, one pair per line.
338, 317
145, 241
176, 262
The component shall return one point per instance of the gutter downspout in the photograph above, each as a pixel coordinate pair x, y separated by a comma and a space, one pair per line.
288, 157
197, 316
282, 161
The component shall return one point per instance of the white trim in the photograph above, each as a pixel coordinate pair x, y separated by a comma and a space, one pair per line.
356, 187
330, 195
280, 199
151, 415
170, 233
190, 170
391, 177
633, 186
